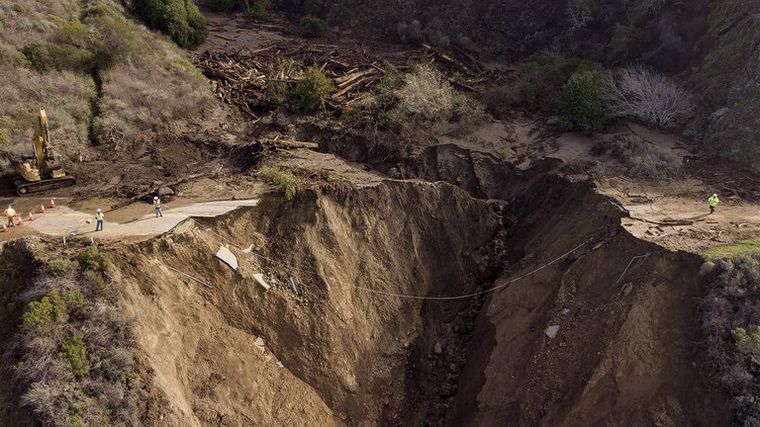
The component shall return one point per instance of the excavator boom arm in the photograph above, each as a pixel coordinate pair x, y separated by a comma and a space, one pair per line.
41, 138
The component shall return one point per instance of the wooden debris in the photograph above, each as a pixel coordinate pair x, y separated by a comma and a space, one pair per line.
249, 79
293, 144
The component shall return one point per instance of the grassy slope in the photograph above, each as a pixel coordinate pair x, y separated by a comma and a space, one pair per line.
149, 83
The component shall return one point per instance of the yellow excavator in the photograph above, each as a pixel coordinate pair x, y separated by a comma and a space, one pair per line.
43, 170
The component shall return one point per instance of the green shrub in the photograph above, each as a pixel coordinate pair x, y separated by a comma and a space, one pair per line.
46, 312
536, 84
740, 336
314, 27
179, 19
74, 351
259, 9
4, 139
106, 39
223, 5
95, 278
289, 184
40, 56
60, 266
311, 91
114, 38
584, 101
93, 258
74, 300
391, 80
645, 160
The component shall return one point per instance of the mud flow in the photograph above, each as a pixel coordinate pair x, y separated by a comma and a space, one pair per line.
410, 303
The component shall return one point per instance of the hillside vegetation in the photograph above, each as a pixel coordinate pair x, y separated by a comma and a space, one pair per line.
103, 77
728, 80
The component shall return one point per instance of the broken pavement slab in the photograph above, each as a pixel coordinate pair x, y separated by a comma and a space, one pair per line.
227, 257
259, 342
260, 280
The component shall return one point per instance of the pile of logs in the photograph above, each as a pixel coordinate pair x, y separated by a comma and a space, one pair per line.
246, 78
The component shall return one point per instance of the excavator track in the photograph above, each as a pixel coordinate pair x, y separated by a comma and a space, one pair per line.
23, 188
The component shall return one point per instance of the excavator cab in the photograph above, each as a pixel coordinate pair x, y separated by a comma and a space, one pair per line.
42, 170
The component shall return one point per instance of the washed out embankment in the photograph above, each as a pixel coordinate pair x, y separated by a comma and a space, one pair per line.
344, 351
626, 309
357, 340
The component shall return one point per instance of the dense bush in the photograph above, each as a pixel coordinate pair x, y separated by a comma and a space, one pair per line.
314, 27
645, 160
95, 279
79, 369
311, 91
258, 9
731, 324
46, 312
179, 19
93, 258
427, 97
584, 101
60, 266
105, 40
74, 351
536, 84
52, 57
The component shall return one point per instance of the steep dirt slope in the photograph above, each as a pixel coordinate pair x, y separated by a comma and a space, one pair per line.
344, 350
358, 343
626, 348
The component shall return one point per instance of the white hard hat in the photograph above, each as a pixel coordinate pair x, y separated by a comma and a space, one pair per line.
715, 194
100, 210
155, 197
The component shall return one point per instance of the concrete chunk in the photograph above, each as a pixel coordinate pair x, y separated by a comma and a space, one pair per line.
551, 331
260, 280
227, 257
260, 343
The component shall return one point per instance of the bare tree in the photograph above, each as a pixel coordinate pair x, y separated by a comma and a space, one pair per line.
640, 93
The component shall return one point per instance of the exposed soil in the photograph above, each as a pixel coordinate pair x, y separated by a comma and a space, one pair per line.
426, 270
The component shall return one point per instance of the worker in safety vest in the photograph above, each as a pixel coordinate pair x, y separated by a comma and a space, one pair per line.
10, 213
99, 218
713, 202
157, 206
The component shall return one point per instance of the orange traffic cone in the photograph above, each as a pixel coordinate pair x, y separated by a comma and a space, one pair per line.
20, 222
31, 217
52, 203
42, 209
5, 229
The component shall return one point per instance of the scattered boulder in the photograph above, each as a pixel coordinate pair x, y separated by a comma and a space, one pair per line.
706, 268
551, 331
